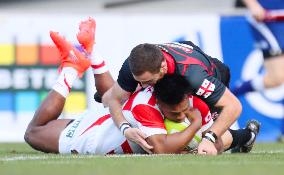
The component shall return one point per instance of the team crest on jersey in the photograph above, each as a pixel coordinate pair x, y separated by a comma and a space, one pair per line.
206, 89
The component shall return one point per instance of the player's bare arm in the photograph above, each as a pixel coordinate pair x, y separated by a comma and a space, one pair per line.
175, 143
114, 98
231, 109
44, 130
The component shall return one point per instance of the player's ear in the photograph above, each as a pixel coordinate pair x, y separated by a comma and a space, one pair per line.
164, 67
158, 102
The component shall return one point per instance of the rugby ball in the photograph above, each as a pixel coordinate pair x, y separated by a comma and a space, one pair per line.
173, 127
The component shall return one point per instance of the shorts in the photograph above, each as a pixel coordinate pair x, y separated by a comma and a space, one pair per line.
224, 71
94, 132
268, 36
83, 136
68, 136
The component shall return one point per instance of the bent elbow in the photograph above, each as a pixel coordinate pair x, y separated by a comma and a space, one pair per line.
106, 98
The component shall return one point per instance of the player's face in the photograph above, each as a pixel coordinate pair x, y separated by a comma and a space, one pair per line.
177, 112
148, 78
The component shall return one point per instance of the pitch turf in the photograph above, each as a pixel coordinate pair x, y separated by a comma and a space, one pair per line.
265, 159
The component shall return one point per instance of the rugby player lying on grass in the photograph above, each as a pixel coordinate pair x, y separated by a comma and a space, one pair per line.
93, 133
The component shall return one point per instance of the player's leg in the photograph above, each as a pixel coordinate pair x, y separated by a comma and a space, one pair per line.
270, 40
239, 141
227, 140
274, 75
86, 37
44, 130
242, 139
275, 58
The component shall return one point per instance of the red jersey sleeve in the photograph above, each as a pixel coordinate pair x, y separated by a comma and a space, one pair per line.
150, 120
148, 116
203, 108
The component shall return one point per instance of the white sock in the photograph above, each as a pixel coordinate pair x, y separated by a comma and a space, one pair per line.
98, 64
257, 83
65, 81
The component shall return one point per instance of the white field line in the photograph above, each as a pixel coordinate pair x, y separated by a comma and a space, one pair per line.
70, 157
268, 152
17, 158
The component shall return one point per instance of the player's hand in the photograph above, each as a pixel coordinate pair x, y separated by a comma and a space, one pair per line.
207, 148
258, 12
137, 136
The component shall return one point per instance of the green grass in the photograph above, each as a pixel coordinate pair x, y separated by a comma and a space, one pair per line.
265, 159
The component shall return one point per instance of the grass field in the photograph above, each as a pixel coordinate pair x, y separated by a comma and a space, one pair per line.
265, 159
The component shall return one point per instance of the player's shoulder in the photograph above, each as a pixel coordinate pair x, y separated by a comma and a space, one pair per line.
199, 104
194, 75
145, 96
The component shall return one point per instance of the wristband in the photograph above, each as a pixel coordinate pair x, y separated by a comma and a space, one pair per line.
208, 138
211, 136
124, 126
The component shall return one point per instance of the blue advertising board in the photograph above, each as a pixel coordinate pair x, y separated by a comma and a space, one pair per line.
245, 62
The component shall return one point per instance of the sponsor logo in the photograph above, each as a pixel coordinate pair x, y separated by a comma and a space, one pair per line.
71, 131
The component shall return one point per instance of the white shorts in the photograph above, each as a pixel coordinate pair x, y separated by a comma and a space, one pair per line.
95, 134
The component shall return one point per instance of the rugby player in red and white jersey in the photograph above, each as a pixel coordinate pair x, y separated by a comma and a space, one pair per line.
95, 133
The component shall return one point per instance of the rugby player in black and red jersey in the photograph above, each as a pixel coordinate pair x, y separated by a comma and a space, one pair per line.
208, 77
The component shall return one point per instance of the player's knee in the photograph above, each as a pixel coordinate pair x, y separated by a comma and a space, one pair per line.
280, 79
276, 80
29, 136
106, 98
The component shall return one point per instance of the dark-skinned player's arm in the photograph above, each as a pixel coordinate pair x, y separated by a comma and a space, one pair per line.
175, 143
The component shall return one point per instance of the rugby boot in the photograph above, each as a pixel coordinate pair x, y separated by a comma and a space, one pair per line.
253, 126
86, 34
70, 56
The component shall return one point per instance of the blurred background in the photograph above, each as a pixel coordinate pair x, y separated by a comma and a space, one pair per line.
29, 61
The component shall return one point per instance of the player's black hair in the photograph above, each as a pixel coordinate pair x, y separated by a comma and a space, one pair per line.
172, 89
145, 57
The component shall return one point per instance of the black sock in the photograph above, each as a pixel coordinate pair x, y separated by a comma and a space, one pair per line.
240, 137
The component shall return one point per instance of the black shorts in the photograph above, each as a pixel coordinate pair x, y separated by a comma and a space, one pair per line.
224, 71
268, 36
